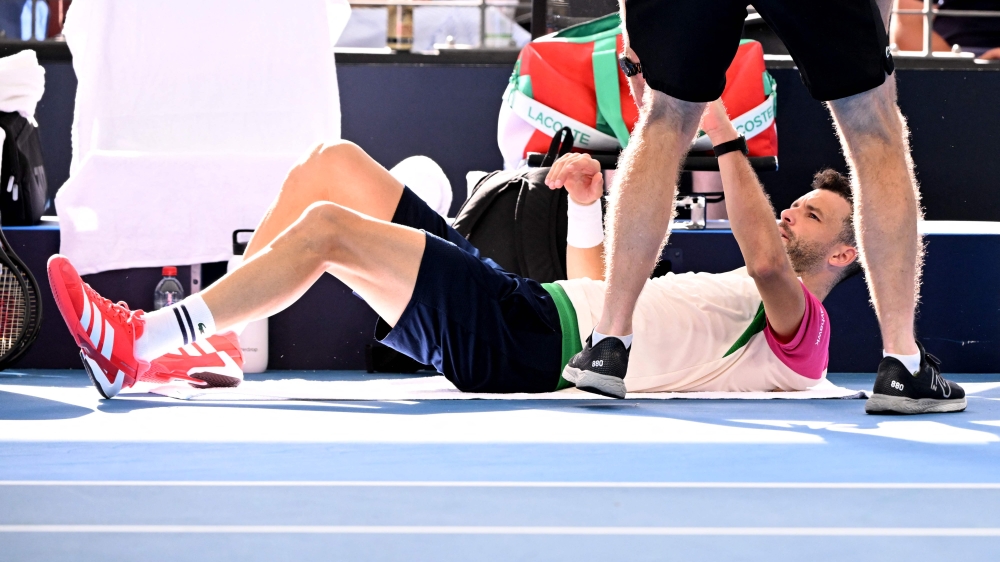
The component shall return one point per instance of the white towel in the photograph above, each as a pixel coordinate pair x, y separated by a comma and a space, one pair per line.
425, 178
438, 388
189, 114
22, 83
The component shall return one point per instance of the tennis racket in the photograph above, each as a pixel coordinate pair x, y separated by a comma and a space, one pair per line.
20, 305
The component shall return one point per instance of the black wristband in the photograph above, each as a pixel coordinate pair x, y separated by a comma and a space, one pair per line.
628, 67
739, 143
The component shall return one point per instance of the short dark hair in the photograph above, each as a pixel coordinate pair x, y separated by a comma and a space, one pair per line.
831, 180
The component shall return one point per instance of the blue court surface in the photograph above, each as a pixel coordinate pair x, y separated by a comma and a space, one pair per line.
144, 477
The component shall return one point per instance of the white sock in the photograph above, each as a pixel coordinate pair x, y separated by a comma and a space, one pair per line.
596, 337
911, 362
174, 326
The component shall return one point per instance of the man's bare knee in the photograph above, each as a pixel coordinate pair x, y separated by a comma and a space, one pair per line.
313, 177
871, 116
659, 109
322, 230
333, 157
339, 153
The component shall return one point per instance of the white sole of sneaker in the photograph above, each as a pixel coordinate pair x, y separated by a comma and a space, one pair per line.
880, 403
104, 386
605, 385
571, 374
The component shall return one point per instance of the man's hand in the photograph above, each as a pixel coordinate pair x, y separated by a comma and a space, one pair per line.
716, 124
580, 175
992, 54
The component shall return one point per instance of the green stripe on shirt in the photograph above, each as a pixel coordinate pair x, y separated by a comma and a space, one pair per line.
568, 325
756, 326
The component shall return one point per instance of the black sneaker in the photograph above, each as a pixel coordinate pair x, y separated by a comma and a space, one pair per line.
899, 392
600, 369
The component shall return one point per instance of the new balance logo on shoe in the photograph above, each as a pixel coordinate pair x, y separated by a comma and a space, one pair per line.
899, 391
945, 385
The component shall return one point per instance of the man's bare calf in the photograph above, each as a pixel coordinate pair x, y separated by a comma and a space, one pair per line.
875, 139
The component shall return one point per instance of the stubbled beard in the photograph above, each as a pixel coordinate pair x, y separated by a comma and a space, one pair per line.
804, 256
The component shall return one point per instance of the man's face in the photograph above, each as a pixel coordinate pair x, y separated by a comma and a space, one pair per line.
811, 227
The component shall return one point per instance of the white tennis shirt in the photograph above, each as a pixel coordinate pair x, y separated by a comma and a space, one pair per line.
688, 331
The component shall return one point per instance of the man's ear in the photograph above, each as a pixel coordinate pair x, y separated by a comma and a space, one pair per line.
845, 256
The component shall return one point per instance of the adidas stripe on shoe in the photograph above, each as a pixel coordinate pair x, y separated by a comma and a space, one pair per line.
213, 362
104, 331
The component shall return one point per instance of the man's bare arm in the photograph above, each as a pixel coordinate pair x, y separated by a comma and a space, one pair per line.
581, 176
752, 219
907, 30
585, 262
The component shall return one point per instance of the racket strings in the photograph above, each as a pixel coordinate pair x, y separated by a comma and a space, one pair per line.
13, 309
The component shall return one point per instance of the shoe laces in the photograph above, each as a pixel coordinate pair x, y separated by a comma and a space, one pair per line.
119, 310
936, 378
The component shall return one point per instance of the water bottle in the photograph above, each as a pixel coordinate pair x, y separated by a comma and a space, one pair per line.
168, 290
34, 25
253, 339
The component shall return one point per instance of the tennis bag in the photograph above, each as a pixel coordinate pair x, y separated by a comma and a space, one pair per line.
513, 218
572, 79
23, 187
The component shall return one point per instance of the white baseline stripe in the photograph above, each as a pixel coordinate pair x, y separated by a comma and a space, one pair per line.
500, 484
505, 530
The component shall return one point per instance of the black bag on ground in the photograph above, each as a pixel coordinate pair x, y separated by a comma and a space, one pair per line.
24, 190
513, 218
517, 221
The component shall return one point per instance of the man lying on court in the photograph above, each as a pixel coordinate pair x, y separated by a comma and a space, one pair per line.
487, 330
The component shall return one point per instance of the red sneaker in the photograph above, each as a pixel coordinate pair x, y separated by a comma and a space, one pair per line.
214, 361
105, 331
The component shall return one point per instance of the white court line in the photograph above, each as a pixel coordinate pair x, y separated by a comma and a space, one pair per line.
505, 530
501, 484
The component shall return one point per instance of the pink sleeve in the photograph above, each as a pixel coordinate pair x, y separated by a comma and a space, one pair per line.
808, 352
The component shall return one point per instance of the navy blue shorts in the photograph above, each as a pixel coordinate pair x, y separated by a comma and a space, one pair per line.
485, 329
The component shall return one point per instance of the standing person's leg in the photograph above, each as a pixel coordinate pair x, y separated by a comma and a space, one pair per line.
684, 49
887, 207
642, 202
843, 54
642, 206
875, 140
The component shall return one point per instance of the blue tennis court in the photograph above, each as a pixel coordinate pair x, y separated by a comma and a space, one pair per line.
152, 478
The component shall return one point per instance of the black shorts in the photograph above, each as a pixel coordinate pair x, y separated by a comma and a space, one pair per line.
685, 46
485, 329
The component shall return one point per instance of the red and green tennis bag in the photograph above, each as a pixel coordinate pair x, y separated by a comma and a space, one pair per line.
571, 78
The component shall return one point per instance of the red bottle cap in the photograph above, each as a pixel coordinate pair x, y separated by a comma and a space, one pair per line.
170, 271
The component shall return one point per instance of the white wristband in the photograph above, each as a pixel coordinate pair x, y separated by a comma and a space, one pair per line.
585, 227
